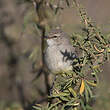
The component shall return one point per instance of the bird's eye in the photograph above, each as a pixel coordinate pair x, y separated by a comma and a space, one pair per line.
55, 36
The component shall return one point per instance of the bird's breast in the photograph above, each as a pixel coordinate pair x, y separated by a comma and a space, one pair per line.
56, 58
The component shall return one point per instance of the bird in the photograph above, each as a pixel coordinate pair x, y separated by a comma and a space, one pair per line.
60, 57
59, 53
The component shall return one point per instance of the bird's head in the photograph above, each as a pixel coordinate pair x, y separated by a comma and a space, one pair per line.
56, 36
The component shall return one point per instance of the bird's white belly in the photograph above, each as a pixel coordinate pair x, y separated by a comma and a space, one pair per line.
56, 62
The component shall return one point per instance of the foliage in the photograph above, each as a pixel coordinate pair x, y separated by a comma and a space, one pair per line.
75, 90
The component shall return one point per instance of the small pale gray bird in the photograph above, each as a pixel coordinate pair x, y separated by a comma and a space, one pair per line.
60, 53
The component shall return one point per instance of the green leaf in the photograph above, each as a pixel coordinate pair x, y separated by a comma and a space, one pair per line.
89, 90
59, 94
82, 105
88, 107
37, 108
72, 92
64, 98
54, 105
86, 94
71, 103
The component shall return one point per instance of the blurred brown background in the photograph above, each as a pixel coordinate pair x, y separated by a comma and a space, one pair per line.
16, 67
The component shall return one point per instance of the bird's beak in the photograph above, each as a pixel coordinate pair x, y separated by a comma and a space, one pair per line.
46, 37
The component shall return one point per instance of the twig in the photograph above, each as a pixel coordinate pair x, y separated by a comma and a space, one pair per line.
42, 29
